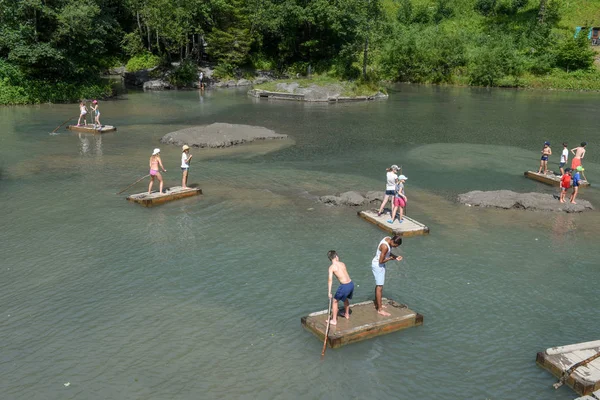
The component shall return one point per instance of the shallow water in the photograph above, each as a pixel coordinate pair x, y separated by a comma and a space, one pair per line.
202, 298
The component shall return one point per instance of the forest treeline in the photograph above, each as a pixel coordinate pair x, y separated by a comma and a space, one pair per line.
55, 50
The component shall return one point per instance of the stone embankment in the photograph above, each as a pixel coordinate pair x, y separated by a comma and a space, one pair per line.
506, 199
219, 135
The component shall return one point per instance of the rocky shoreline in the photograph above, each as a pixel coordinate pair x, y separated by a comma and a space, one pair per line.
506, 199
312, 93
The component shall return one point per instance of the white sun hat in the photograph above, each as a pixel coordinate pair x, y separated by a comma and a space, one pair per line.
156, 151
402, 177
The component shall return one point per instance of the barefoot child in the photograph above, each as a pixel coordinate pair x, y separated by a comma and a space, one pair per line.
185, 164
565, 184
546, 152
344, 291
576, 179
82, 113
96, 109
155, 163
579, 153
563, 158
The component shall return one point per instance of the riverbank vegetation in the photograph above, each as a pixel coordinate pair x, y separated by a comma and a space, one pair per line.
56, 50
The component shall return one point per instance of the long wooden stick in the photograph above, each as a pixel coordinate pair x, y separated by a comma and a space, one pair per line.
568, 372
63, 124
145, 176
326, 329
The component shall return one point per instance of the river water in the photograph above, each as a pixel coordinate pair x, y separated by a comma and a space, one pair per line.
202, 298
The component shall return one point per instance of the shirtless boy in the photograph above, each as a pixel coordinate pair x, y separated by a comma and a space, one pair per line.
579, 153
344, 291
546, 152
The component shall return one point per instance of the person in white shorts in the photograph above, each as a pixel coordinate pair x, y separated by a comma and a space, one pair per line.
383, 255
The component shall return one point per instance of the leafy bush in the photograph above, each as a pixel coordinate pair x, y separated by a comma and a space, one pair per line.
574, 53
485, 7
495, 60
142, 61
132, 44
184, 74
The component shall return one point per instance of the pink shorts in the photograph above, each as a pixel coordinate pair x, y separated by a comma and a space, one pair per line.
399, 202
153, 172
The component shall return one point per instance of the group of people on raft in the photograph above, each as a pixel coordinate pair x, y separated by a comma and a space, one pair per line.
156, 163
394, 192
569, 177
83, 113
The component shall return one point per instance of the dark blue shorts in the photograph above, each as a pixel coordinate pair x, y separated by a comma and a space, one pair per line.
390, 192
544, 158
562, 164
344, 291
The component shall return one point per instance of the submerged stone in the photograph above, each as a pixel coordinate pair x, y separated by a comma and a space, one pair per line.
219, 135
507, 199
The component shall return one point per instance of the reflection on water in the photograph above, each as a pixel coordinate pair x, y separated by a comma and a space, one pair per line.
202, 297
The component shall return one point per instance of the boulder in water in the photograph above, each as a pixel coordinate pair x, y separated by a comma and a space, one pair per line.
507, 199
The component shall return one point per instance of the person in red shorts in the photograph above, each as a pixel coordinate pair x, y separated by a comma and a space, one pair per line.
565, 184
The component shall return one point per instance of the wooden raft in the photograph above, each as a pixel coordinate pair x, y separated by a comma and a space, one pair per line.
90, 128
155, 198
409, 227
364, 322
550, 178
583, 379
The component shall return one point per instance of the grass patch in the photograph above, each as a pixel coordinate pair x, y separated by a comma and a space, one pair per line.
349, 88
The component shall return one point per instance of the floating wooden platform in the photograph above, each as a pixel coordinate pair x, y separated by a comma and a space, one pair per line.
155, 198
364, 322
562, 362
409, 227
550, 178
91, 129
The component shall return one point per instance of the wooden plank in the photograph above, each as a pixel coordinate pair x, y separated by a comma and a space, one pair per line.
585, 379
364, 322
155, 198
550, 178
409, 227
91, 129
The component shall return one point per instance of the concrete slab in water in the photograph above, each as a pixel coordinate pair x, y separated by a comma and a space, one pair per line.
550, 179
170, 194
364, 322
409, 227
92, 129
584, 379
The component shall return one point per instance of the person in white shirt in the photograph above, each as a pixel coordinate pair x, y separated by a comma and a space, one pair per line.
185, 164
564, 157
390, 188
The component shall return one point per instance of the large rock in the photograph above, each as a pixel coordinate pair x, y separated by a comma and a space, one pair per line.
219, 135
374, 196
332, 200
156, 85
507, 199
138, 78
352, 199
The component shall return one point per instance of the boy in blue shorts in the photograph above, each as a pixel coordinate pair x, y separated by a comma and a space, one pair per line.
576, 179
344, 291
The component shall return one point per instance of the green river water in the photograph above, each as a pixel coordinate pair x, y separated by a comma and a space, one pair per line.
202, 298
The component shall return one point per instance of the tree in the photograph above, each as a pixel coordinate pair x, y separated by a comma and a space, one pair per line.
574, 53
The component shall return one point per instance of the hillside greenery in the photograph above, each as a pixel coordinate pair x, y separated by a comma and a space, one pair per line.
55, 50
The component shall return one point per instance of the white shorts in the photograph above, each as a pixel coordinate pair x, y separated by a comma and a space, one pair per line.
378, 273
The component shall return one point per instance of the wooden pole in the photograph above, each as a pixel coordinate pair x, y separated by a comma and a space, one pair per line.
63, 124
145, 176
327, 329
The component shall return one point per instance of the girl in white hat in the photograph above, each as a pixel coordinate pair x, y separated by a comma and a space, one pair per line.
155, 163
185, 164
400, 200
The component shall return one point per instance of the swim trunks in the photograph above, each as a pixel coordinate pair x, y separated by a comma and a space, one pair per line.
344, 291
153, 172
544, 158
576, 162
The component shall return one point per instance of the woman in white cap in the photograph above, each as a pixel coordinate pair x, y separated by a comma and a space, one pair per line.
185, 164
155, 163
400, 200
390, 187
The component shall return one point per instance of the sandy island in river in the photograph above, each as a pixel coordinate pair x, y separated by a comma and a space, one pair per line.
219, 135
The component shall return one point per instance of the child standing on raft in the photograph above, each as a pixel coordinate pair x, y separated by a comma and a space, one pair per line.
185, 164
400, 200
155, 163
96, 109
546, 152
82, 113
390, 187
